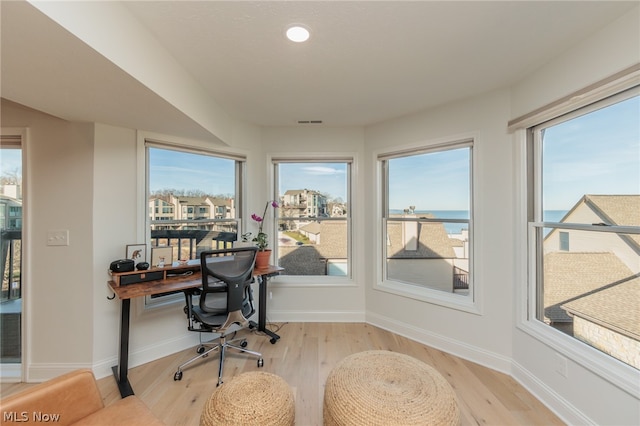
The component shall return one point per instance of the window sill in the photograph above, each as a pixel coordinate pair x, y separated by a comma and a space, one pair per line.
608, 368
459, 302
312, 281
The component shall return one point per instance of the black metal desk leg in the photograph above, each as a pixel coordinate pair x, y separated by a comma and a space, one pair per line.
262, 314
121, 370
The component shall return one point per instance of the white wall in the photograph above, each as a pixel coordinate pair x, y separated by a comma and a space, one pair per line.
304, 300
482, 337
614, 48
117, 212
57, 294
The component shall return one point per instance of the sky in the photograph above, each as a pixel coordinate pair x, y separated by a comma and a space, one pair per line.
10, 161
181, 170
596, 154
327, 178
431, 181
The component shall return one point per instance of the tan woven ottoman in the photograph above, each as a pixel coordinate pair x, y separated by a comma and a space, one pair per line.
253, 398
387, 388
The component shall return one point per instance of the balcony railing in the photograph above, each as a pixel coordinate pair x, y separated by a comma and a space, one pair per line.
10, 249
190, 237
460, 279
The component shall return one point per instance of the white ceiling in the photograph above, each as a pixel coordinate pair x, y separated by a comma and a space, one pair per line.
366, 61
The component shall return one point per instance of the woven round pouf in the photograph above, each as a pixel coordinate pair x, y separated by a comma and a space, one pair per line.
387, 388
253, 398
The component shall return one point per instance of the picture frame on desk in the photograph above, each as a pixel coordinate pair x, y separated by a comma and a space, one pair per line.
161, 256
137, 252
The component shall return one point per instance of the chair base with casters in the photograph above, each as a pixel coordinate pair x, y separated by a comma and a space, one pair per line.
226, 303
204, 349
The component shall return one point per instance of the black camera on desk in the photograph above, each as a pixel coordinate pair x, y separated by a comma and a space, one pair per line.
122, 265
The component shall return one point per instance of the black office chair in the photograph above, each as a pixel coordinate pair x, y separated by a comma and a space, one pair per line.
226, 302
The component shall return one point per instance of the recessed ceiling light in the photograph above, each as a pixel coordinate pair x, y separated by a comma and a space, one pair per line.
298, 33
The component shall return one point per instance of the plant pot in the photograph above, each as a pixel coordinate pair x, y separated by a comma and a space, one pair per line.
262, 259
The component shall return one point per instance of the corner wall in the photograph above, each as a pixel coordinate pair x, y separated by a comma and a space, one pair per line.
484, 337
57, 294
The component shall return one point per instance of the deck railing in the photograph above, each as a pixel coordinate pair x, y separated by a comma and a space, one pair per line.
460, 279
10, 260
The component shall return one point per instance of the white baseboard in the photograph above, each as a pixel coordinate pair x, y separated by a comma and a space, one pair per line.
315, 316
455, 347
147, 354
36, 373
550, 398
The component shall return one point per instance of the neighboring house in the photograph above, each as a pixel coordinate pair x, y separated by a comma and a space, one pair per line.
312, 231
190, 208
221, 208
608, 210
609, 319
160, 209
304, 203
327, 255
569, 276
10, 212
420, 252
417, 251
592, 294
337, 209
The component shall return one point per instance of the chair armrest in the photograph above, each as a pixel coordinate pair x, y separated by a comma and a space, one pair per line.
72, 396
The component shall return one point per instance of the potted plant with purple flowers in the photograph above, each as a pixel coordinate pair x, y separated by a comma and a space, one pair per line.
262, 239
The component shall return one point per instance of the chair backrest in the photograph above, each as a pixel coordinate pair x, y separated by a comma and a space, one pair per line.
230, 271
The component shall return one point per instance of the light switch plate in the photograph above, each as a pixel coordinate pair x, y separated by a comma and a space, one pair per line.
58, 237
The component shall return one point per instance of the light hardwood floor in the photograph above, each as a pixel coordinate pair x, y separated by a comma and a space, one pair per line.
304, 356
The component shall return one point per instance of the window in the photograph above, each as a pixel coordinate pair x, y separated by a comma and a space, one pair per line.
586, 192
313, 223
426, 212
564, 241
194, 200
11, 262
11, 216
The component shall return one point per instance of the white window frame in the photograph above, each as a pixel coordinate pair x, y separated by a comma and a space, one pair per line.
293, 281
471, 302
145, 139
599, 363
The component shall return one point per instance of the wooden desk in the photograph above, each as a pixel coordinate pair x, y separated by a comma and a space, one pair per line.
178, 283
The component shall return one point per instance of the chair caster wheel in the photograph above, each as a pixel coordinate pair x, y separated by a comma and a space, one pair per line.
177, 376
200, 349
273, 341
243, 344
260, 363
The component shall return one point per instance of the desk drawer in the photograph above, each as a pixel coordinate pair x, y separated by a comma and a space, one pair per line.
141, 277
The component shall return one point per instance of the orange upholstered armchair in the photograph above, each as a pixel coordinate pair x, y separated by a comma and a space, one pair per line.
73, 399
